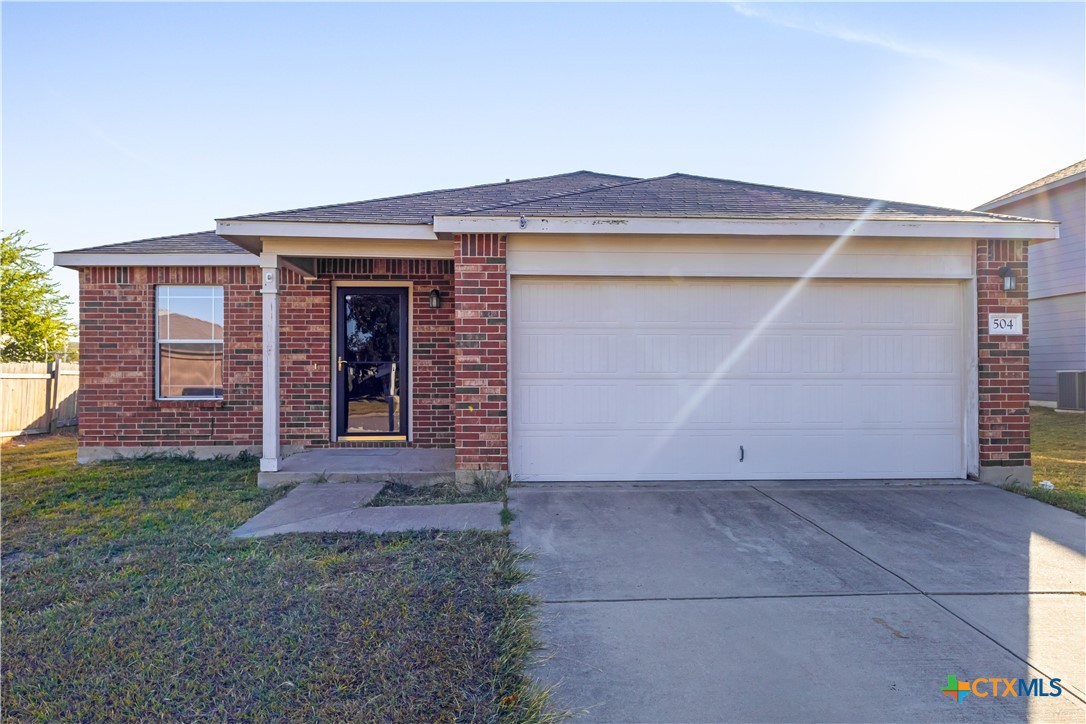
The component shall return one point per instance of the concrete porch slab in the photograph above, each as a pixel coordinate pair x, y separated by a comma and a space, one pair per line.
409, 466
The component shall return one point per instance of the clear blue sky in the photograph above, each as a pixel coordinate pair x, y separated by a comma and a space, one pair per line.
133, 120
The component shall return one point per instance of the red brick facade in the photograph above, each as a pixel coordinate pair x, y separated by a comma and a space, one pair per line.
1003, 361
305, 319
482, 434
117, 405
459, 356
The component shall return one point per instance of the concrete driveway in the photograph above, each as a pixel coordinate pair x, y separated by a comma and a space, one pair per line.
812, 601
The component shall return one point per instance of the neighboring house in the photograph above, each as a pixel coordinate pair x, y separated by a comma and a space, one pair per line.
1057, 276
574, 327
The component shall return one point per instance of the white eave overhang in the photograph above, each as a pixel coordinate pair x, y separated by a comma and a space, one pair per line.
77, 259
980, 229
228, 228
250, 234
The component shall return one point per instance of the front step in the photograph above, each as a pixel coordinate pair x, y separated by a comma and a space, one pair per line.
408, 466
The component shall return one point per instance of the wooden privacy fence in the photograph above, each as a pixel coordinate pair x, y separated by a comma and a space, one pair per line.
37, 397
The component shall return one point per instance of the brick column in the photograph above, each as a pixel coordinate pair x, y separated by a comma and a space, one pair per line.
482, 436
1003, 365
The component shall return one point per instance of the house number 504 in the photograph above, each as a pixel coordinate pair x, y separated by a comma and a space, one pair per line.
1004, 324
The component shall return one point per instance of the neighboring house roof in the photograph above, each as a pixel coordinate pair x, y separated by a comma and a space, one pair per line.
200, 242
420, 208
1052, 178
174, 325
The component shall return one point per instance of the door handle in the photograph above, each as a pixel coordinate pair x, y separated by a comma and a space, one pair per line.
742, 453
339, 363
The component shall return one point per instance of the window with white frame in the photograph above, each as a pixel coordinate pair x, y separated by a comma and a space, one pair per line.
189, 342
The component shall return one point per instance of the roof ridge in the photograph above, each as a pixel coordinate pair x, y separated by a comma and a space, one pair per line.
417, 194
563, 195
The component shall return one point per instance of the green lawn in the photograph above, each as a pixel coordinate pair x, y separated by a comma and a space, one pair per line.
125, 599
1059, 456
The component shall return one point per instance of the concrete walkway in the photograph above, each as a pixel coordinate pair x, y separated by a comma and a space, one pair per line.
803, 602
339, 508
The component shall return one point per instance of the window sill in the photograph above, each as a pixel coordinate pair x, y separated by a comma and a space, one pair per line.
188, 404
371, 438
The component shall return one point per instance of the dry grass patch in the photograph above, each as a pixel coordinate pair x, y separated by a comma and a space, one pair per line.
125, 599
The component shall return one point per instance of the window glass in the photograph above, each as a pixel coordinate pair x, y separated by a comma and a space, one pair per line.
189, 347
189, 313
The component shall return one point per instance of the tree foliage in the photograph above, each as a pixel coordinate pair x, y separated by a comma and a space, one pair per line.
33, 321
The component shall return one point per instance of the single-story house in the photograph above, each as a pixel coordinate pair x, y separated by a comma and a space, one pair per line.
580, 327
1057, 280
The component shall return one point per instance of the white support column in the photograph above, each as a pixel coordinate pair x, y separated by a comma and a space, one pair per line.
269, 288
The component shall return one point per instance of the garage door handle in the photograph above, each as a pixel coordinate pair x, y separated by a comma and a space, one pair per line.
741, 453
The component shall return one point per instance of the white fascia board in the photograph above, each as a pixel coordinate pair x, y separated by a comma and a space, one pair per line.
1000, 203
747, 227
324, 230
76, 259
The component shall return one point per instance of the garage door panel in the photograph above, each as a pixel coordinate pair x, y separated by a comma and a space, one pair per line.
934, 453
541, 353
709, 405
666, 380
569, 407
933, 353
594, 353
823, 354
645, 457
917, 406
706, 352
910, 305
820, 404
773, 456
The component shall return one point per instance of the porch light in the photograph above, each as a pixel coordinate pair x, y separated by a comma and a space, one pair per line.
435, 299
1009, 282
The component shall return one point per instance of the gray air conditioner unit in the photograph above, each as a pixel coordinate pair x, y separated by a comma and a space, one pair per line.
1071, 390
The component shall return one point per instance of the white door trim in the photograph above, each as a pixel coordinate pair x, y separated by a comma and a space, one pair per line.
333, 323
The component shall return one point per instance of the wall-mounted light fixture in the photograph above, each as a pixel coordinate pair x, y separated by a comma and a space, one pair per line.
1009, 282
435, 299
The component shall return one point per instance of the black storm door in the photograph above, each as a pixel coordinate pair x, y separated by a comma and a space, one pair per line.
372, 375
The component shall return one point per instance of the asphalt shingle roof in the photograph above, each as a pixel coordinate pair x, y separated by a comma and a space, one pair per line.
422, 207
684, 196
1043, 181
200, 242
581, 193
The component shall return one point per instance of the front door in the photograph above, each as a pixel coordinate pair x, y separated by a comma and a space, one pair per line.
372, 375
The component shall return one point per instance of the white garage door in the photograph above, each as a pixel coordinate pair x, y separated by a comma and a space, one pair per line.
735, 380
